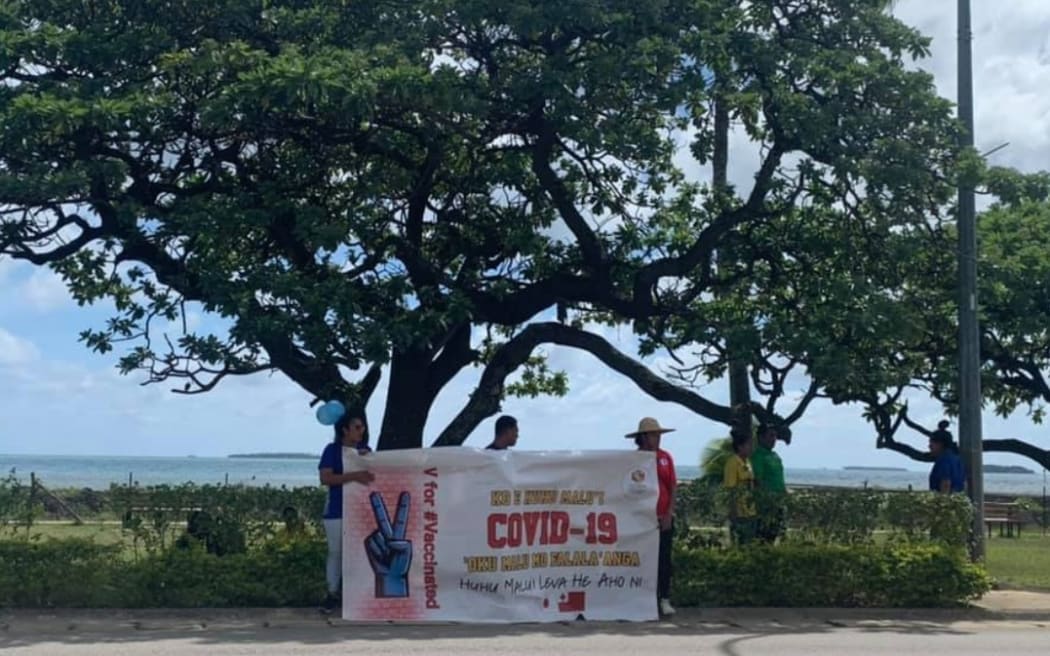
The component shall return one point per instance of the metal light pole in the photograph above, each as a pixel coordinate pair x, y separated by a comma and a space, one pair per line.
970, 400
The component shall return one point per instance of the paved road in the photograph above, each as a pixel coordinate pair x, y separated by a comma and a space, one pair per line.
862, 638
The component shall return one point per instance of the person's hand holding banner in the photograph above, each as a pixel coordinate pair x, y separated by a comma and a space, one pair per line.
389, 553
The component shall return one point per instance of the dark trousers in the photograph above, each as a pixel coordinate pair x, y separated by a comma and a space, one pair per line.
663, 569
743, 530
771, 525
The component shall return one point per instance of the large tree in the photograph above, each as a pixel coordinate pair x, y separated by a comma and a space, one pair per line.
1014, 298
810, 298
359, 185
874, 325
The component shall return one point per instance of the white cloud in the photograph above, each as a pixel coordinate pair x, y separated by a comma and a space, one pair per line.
44, 290
1011, 53
15, 351
7, 267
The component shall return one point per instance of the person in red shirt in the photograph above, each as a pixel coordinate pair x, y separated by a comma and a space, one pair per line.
647, 437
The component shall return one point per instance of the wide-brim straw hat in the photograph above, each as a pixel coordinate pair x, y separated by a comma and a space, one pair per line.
649, 425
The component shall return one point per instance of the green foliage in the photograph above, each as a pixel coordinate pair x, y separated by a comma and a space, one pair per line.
19, 507
840, 517
280, 573
826, 575
537, 379
713, 460
832, 516
290, 572
354, 184
230, 516
946, 518
1035, 510
71, 572
254, 554
80, 573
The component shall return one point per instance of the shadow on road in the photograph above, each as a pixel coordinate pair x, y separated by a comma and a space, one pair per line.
23, 629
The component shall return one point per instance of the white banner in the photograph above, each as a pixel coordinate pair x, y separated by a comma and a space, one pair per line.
461, 534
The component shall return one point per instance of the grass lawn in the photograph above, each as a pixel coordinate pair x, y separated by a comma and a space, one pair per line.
100, 532
1020, 562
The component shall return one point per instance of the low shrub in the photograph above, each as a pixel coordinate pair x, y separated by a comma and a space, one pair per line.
1036, 511
226, 518
827, 575
924, 516
289, 571
70, 572
280, 573
19, 507
847, 518
79, 573
836, 516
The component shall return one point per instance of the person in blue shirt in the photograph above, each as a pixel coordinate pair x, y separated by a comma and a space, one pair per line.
947, 475
351, 431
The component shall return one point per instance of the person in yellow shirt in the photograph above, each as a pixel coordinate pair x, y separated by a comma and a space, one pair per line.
739, 481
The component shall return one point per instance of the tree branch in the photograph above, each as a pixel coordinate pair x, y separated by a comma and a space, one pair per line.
1015, 446
701, 250
888, 442
1019, 447
488, 395
455, 354
590, 245
803, 405
915, 426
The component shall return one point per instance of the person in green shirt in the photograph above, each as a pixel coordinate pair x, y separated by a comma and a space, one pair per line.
769, 484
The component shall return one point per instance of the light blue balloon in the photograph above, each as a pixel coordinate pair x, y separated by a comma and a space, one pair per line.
330, 412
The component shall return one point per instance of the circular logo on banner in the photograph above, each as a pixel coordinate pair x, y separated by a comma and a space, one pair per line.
635, 482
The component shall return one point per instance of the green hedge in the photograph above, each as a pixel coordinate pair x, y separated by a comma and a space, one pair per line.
156, 516
867, 576
235, 516
80, 573
45, 573
838, 516
290, 572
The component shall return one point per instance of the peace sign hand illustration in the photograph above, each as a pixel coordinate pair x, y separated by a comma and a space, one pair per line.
389, 553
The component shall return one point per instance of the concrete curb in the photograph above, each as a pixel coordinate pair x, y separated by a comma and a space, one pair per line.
253, 619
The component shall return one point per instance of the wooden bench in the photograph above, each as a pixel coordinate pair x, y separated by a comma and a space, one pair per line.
1006, 516
134, 512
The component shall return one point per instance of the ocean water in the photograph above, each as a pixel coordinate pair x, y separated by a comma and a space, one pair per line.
99, 472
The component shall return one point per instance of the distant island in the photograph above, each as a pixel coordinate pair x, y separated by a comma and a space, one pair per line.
1007, 469
275, 456
988, 469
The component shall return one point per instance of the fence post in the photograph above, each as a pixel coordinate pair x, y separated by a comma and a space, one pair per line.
32, 503
1045, 509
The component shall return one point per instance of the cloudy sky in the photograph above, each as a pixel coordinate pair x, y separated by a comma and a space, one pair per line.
56, 397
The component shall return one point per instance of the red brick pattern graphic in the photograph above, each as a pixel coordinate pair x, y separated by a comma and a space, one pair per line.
359, 601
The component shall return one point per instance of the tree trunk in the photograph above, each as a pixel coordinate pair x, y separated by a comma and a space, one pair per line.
417, 376
408, 401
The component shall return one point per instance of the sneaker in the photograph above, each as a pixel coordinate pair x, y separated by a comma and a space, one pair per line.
666, 609
331, 602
